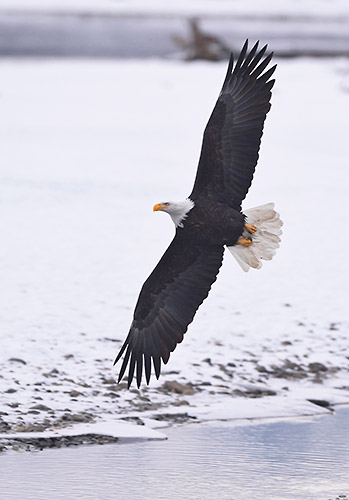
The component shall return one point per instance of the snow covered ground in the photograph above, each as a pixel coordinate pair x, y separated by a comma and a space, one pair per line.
86, 149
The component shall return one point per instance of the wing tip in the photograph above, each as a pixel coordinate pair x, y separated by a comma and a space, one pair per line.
134, 360
249, 62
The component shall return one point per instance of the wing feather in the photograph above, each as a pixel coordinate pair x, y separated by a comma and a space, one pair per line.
258, 57
241, 57
250, 56
233, 133
167, 304
125, 361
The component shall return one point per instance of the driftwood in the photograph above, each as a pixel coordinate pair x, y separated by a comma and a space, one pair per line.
201, 45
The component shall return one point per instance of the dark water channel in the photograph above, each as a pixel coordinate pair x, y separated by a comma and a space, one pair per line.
45, 33
301, 459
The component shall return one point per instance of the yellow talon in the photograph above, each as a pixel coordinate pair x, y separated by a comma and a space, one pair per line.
250, 228
246, 242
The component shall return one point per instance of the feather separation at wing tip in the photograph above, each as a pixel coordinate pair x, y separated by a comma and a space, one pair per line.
152, 337
249, 63
141, 353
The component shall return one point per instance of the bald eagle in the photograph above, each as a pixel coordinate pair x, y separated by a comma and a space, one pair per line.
209, 220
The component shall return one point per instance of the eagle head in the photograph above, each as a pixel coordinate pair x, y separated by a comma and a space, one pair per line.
178, 210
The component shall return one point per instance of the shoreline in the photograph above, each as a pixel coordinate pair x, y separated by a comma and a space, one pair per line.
119, 431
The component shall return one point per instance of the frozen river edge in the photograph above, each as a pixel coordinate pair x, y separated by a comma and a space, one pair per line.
112, 431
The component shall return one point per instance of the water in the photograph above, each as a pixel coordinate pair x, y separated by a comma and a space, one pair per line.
281, 460
73, 34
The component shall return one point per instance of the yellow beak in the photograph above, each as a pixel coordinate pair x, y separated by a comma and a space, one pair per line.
158, 206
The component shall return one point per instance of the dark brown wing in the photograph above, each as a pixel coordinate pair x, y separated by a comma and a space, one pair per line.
233, 133
167, 304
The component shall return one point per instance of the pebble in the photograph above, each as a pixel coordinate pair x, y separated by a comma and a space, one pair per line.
178, 418
317, 367
41, 407
173, 386
254, 393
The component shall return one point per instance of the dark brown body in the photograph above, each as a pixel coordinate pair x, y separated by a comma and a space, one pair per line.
223, 225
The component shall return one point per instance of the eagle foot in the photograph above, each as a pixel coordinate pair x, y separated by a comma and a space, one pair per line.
246, 242
250, 228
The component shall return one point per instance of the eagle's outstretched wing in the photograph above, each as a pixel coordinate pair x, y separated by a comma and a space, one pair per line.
233, 133
167, 304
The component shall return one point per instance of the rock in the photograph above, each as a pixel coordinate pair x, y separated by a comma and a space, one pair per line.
135, 420
178, 418
114, 388
181, 402
30, 428
207, 360
142, 407
225, 370
4, 426
84, 384
82, 417
60, 441
173, 386
317, 367
52, 373
261, 369
321, 402
75, 394
108, 381
111, 395
254, 393
18, 360
41, 408
122, 386
289, 370
173, 372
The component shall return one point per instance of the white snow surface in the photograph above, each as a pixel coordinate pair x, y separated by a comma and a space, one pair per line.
87, 149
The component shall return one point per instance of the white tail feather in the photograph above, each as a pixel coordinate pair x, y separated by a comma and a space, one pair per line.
265, 240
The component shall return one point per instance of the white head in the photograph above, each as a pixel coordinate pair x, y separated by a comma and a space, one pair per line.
178, 210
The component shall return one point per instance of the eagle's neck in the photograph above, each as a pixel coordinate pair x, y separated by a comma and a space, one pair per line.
179, 211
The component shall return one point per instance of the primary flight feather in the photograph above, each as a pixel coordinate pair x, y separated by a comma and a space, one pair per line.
208, 220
